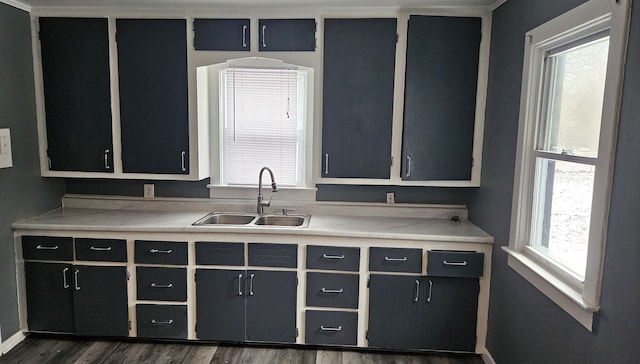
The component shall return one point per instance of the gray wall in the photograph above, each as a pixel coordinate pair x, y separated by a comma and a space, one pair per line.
524, 326
22, 191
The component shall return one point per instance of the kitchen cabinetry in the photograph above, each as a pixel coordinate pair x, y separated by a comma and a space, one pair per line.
358, 84
222, 34
77, 94
154, 115
440, 97
287, 35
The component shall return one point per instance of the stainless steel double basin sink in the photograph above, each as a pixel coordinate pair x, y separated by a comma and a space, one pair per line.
248, 219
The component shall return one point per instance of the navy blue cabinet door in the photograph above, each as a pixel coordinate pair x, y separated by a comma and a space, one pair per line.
77, 92
359, 68
49, 297
154, 115
287, 35
220, 304
440, 97
222, 35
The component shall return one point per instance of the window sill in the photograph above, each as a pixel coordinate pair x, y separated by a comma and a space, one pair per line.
570, 300
250, 192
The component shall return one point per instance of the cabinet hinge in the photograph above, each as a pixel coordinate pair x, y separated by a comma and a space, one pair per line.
128, 275
366, 335
473, 161
397, 37
129, 325
369, 283
297, 332
392, 161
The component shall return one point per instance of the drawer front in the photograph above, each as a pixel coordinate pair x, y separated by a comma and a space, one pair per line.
47, 248
333, 258
395, 260
160, 321
213, 253
332, 290
331, 328
103, 250
162, 284
161, 252
455, 264
273, 255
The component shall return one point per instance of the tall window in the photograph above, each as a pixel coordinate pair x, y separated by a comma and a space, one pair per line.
566, 142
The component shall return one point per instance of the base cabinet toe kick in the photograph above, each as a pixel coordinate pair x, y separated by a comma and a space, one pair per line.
325, 291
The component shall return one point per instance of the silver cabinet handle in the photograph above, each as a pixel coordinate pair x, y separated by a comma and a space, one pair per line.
328, 328
408, 174
100, 249
328, 256
44, 247
417, 291
430, 288
239, 284
106, 158
244, 36
161, 322
251, 284
65, 284
75, 277
264, 40
326, 163
459, 264
183, 154
324, 290
157, 285
403, 259
156, 251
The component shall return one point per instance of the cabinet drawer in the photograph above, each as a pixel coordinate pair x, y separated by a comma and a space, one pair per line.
160, 252
47, 248
213, 253
333, 258
395, 260
160, 321
332, 290
162, 284
105, 250
331, 328
273, 255
455, 263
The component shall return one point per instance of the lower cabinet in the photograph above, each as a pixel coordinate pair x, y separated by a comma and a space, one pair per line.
161, 321
85, 300
239, 305
331, 327
418, 312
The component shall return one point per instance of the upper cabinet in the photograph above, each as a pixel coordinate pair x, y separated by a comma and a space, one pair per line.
440, 97
77, 93
154, 107
358, 87
287, 35
222, 34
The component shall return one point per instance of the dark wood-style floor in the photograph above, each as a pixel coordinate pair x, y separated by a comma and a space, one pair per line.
38, 349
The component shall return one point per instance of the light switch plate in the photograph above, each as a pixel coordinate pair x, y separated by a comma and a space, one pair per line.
5, 149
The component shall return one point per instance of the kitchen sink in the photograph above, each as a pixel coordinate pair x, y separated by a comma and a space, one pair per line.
225, 219
280, 220
246, 219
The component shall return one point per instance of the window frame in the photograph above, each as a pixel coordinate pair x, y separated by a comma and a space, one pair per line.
580, 300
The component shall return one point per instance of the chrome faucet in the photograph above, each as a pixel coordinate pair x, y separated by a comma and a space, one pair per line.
261, 203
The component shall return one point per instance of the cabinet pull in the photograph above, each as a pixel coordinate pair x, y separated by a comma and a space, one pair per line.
183, 165
156, 251
100, 249
264, 40
239, 284
430, 287
403, 259
65, 284
161, 322
329, 328
75, 278
408, 174
324, 290
244, 36
251, 284
44, 247
458, 264
326, 163
417, 291
156, 285
328, 256
106, 158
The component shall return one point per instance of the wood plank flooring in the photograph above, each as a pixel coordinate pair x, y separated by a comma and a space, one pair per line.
47, 349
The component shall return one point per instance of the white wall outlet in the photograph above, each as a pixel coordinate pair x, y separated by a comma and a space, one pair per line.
391, 197
149, 190
5, 149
